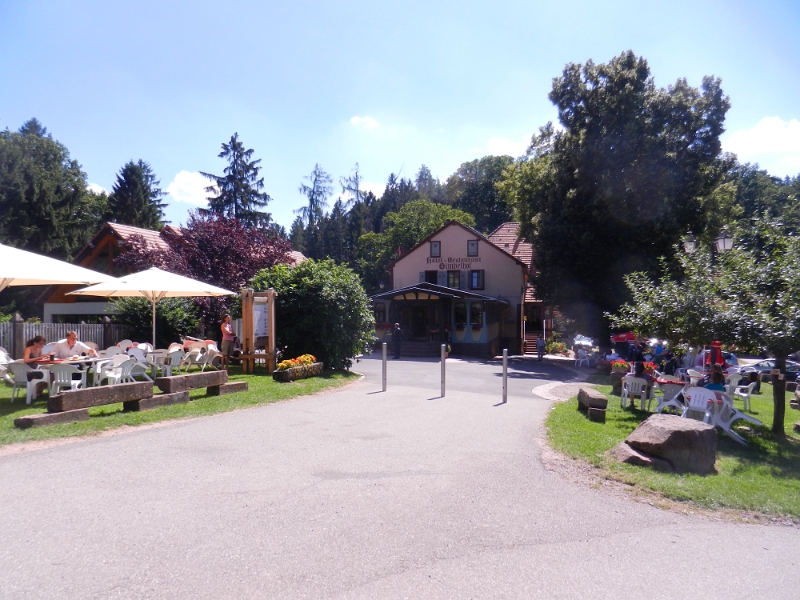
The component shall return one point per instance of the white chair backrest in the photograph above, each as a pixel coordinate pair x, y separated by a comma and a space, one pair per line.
145, 347
118, 359
47, 348
91, 345
197, 346
699, 399
4, 356
671, 389
175, 346
125, 344
113, 350
733, 379
138, 354
20, 370
125, 368
63, 373
635, 385
175, 356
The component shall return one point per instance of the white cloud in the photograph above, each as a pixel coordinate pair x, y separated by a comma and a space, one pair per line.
499, 146
773, 143
189, 187
96, 188
364, 122
375, 188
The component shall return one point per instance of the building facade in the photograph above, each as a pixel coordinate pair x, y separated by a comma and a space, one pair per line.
461, 288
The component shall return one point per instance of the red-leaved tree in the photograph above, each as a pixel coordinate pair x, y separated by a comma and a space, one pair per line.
211, 248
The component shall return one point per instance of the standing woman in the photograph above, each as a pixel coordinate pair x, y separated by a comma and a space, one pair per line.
227, 340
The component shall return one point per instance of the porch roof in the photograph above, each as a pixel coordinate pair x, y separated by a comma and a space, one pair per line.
431, 291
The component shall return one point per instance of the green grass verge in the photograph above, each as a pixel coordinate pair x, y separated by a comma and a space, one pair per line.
262, 390
763, 477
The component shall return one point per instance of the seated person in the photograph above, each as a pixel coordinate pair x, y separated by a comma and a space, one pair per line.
717, 381
32, 356
69, 347
638, 371
612, 355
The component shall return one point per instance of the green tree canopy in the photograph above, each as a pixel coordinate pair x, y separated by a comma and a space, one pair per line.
749, 297
136, 198
239, 193
321, 309
473, 189
403, 230
627, 176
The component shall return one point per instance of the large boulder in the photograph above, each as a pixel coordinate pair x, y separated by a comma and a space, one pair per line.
689, 446
625, 454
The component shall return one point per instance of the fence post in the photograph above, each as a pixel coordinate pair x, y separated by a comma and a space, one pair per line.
108, 334
18, 336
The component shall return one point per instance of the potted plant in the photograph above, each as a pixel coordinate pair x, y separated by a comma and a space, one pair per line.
620, 366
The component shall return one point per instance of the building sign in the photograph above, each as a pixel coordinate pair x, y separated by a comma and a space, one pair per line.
454, 263
260, 317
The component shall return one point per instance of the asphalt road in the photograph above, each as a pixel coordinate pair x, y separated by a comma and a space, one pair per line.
360, 493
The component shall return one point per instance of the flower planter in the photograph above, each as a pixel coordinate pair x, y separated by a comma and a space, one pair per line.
301, 372
620, 369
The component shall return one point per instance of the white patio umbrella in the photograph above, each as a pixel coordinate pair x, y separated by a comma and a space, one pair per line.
18, 267
153, 284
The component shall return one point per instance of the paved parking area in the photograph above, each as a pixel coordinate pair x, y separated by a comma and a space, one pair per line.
360, 493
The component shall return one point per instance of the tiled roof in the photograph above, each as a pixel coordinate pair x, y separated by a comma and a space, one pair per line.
295, 258
506, 238
152, 238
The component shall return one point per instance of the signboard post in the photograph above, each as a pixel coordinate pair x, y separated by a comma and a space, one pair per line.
258, 329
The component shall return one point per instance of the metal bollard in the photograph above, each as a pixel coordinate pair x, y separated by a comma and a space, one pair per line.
383, 350
443, 358
505, 375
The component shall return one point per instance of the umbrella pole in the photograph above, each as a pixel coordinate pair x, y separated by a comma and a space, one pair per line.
154, 324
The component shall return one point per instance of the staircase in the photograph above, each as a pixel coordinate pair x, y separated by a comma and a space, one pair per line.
413, 349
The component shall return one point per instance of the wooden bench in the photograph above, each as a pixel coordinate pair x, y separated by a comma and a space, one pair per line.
215, 382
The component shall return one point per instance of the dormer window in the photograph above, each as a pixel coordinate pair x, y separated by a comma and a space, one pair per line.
436, 249
472, 247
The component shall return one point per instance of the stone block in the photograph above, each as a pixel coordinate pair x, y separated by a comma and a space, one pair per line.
181, 383
68, 416
227, 388
791, 386
689, 446
591, 398
796, 426
623, 453
156, 401
98, 396
597, 415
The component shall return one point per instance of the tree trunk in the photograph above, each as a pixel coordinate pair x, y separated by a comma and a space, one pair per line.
779, 396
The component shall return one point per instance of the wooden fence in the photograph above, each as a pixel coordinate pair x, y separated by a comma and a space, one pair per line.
13, 335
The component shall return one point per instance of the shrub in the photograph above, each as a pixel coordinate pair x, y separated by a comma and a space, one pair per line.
321, 308
175, 317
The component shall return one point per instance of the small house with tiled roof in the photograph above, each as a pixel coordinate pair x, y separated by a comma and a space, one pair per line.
461, 288
98, 255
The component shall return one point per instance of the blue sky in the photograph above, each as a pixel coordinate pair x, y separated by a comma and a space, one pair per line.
389, 85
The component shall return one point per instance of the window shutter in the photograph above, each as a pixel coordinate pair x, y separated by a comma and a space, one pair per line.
442, 278
463, 280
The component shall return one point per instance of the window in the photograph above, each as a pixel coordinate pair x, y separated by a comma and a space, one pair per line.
460, 314
476, 314
472, 247
380, 314
436, 249
432, 277
476, 280
453, 279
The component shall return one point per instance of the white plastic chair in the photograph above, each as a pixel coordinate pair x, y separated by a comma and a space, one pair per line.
124, 344
700, 400
108, 366
142, 363
581, 359
91, 345
5, 358
669, 397
20, 371
731, 383
63, 378
111, 351
634, 386
743, 392
726, 414
195, 356
695, 377
118, 374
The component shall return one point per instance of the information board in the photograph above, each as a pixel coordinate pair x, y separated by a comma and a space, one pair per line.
260, 317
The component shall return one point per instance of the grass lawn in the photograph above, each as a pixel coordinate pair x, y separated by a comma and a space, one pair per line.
763, 477
262, 390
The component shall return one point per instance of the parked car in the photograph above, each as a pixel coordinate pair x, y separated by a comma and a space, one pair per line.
763, 368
